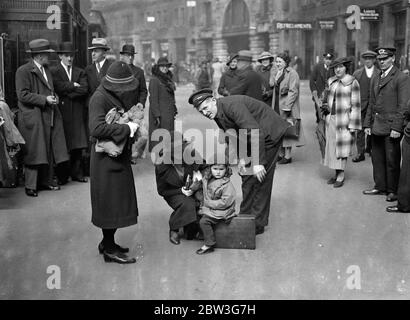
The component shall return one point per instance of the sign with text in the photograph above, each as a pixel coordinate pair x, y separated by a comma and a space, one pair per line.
327, 25
370, 14
294, 25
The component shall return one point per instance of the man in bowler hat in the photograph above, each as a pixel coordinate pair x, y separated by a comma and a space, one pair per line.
127, 55
71, 85
40, 121
243, 112
384, 121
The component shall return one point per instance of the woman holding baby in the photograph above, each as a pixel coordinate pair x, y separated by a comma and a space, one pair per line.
113, 195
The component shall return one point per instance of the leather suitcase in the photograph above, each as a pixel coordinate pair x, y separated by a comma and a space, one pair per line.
239, 234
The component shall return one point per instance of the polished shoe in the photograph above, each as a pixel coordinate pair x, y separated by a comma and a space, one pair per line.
119, 248
205, 251
374, 192
50, 187
339, 184
394, 209
331, 181
174, 237
31, 192
285, 161
391, 197
259, 230
82, 179
118, 257
359, 158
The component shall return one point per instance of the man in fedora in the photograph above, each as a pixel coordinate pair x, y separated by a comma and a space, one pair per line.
127, 55
40, 121
264, 70
71, 85
318, 80
384, 121
249, 82
95, 72
364, 76
242, 112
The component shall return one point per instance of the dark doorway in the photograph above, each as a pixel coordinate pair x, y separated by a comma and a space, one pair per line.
309, 58
236, 43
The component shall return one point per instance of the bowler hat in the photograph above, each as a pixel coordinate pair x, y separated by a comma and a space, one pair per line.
245, 55
39, 46
339, 61
99, 43
328, 55
384, 52
235, 56
200, 96
119, 77
163, 61
128, 48
66, 47
266, 55
369, 54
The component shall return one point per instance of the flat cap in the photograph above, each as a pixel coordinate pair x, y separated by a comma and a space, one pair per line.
369, 54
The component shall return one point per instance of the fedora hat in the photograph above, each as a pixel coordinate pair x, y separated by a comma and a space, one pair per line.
369, 54
66, 47
39, 46
339, 61
163, 61
99, 43
265, 55
128, 48
119, 77
384, 52
245, 55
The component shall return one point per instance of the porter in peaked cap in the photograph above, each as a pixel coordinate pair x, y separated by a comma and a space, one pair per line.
384, 52
200, 96
369, 54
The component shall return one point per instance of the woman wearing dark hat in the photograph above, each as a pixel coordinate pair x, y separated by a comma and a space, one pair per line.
266, 60
286, 102
343, 118
113, 197
162, 110
229, 77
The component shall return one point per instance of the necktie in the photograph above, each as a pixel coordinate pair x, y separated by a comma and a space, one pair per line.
97, 65
43, 72
68, 71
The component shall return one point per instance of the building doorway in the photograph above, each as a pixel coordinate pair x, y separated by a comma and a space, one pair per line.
236, 43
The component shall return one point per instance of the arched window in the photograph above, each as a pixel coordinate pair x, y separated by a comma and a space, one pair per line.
236, 17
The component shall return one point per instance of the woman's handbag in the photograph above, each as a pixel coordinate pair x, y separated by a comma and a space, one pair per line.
293, 131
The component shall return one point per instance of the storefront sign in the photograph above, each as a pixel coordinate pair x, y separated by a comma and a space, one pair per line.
370, 14
327, 25
294, 25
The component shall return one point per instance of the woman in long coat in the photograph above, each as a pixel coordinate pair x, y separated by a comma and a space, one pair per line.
162, 108
286, 99
113, 197
342, 120
171, 178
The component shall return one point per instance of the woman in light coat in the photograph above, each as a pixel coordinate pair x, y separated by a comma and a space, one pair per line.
286, 98
343, 118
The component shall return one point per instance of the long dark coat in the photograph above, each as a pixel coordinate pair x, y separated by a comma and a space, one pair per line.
388, 103
113, 195
169, 185
36, 117
364, 96
318, 78
243, 112
228, 80
265, 76
142, 88
161, 104
94, 78
72, 105
249, 83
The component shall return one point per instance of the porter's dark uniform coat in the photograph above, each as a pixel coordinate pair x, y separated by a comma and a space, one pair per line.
72, 104
113, 196
35, 118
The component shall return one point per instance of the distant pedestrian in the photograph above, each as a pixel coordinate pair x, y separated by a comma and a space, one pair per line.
217, 70
342, 120
229, 77
203, 77
266, 60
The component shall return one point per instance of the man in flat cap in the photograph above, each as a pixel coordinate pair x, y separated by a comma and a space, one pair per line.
364, 76
238, 112
384, 121
127, 55
40, 121
249, 83
318, 80
71, 85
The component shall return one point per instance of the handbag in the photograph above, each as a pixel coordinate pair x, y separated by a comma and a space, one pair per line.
293, 131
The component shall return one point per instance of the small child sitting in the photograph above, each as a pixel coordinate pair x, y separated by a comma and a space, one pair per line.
118, 115
218, 202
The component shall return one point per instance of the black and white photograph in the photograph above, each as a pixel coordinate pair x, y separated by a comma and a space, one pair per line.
218, 151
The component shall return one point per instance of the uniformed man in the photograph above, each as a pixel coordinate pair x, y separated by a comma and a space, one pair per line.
243, 112
385, 122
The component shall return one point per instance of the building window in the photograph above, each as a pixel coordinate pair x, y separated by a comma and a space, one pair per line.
285, 5
208, 14
176, 22
374, 27
400, 33
236, 16
329, 41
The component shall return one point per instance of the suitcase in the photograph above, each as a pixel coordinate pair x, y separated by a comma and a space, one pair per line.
239, 234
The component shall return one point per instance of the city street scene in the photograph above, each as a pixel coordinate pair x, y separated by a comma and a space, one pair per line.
204, 150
